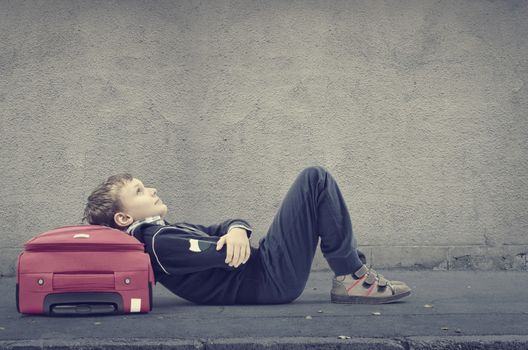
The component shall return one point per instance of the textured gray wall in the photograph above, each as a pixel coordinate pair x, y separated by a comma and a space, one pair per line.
418, 109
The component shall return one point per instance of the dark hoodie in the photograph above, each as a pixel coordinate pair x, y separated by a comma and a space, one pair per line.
185, 260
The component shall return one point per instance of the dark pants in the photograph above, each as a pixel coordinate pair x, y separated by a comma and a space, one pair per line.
313, 207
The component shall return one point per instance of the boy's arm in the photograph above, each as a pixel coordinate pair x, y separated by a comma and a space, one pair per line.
222, 228
180, 253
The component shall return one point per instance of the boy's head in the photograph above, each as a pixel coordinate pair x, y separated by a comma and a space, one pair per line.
120, 200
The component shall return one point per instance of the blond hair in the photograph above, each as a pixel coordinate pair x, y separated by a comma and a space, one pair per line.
104, 201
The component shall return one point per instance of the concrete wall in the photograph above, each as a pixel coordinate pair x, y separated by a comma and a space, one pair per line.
418, 109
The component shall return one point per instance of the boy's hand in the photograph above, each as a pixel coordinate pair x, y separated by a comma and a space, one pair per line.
238, 248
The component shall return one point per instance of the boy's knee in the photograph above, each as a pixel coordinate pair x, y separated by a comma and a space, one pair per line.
315, 171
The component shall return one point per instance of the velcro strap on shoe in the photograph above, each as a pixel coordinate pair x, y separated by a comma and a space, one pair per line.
391, 287
382, 281
370, 278
362, 270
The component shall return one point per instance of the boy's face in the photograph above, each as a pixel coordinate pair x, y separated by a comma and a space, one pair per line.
138, 202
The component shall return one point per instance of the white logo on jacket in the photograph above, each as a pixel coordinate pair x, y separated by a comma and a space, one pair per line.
194, 247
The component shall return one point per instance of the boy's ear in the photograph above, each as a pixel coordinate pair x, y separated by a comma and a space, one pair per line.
123, 219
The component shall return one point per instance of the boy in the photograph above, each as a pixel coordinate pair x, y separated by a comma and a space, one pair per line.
216, 264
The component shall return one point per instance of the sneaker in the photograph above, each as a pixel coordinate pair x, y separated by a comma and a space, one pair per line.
366, 287
380, 276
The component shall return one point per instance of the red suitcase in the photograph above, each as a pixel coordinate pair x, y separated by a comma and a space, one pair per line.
84, 269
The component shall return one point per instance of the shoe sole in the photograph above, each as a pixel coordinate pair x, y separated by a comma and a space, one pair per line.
351, 299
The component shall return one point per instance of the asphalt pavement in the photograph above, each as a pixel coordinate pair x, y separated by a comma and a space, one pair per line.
446, 310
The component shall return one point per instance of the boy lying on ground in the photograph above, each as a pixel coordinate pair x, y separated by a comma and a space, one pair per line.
216, 264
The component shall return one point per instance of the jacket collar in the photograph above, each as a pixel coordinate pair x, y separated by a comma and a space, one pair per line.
151, 219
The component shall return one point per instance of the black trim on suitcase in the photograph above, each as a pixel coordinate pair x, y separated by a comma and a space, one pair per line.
150, 295
83, 303
17, 302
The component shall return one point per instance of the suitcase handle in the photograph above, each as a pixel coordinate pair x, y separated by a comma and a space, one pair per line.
83, 303
98, 308
83, 281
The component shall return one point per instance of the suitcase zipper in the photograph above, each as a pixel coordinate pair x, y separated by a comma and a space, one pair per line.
63, 247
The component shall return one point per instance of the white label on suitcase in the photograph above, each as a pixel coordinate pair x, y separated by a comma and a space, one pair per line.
135, 305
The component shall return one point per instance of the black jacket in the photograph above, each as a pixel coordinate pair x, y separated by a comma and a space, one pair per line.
185, 260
